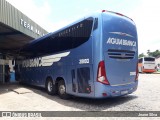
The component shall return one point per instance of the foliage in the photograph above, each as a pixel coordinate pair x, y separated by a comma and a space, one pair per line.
149, 53
141, 55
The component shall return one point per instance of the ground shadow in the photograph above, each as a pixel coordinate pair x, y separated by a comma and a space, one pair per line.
75, 102
84, 103
8, 87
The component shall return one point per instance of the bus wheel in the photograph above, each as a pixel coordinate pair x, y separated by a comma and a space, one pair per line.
51, 88
62, 90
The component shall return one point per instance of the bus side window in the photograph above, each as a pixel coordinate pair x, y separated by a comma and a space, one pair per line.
67, 39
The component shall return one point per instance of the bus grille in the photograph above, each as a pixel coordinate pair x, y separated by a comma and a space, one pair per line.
120, 54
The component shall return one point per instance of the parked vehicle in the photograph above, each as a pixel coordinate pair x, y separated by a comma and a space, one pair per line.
95, 57
147, 65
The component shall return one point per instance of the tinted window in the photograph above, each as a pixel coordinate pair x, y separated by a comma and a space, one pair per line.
149, 59
95, 24
68, 38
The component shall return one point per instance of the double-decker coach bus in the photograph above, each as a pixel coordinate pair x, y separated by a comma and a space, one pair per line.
94, 57
147, 65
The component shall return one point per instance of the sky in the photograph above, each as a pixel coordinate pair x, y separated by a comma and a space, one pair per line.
54, 14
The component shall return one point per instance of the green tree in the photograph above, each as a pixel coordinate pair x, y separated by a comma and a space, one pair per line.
141, 55
155, 53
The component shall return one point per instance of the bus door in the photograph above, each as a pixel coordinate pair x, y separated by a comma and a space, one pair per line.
73, 86
84, 80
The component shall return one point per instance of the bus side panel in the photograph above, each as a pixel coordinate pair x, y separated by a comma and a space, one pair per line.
80, 71
97, 47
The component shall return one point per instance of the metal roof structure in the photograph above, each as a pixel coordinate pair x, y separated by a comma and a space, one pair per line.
16, 29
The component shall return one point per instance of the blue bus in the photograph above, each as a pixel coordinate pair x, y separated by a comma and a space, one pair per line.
94, 57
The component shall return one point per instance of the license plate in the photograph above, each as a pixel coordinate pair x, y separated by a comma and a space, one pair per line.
124, 92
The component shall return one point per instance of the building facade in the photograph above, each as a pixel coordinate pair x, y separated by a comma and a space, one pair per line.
16, 30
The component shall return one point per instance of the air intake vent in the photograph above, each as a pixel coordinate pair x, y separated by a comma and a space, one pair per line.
120, 54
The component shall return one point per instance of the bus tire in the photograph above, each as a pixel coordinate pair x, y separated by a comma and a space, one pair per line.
62, 90
51, 88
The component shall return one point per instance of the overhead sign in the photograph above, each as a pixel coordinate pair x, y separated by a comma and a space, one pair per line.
30, 27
